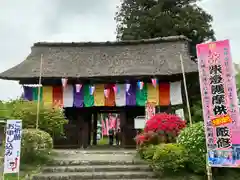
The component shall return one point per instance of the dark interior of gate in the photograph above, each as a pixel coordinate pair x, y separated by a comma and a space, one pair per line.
82, 129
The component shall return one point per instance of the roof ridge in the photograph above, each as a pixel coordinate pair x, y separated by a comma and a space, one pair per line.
107, 43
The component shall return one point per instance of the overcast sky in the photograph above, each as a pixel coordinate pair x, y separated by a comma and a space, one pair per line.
24, 22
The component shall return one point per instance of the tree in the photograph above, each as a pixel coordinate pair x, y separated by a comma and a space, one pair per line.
51, 120
143, 19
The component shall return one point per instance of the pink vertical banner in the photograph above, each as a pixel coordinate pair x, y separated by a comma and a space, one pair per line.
118, 123
104, 129
107, 124
113, 121
219, 101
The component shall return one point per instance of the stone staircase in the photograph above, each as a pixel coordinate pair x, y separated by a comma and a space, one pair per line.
101, 164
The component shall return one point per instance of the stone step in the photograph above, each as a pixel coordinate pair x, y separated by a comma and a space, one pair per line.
77, 151
97, 168
68, 162
94, 175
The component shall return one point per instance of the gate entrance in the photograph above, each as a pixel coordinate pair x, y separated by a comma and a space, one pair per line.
90, 127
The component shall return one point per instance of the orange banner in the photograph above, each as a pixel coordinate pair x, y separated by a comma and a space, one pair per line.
164, 94
57, 96
110, 100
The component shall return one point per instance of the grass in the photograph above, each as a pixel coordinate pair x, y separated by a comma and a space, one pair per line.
103, 141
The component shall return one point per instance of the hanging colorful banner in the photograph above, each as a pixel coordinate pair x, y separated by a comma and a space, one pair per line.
88, 97
220, 108
115, 88
78, 87
140, 85
91, 89
106, 93
154, 82
68, 96
48, 95
57, 96
12, 146
164, 94
78, 96
99, 99
152, 93
120, 96
128, 87
141, 96
64, 82
28, 93
109, 95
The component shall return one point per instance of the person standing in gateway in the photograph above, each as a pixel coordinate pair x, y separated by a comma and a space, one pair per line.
118, 137
110, 136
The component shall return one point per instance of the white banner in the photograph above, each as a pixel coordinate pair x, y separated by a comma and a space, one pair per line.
12, 146
150, 110
176, 93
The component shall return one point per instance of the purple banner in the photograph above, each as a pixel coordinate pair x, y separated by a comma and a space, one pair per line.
131, 95
78, 97
28, 93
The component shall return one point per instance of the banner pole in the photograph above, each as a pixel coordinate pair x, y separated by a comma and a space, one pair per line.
102, 120
185, 88
208, 168
5, 127
39, 89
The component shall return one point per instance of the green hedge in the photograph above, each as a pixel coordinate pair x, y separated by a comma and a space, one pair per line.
36, 145
193, 139
169, 158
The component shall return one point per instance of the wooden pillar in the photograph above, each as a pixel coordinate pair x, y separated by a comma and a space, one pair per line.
90, 131
85, 131
80, 128
123, 125
95, 120
85, 134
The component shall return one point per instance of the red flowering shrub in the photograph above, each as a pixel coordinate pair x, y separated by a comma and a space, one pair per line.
147, 138
161, 128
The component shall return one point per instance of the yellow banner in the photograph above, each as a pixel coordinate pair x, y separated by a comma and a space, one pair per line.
47, 95
152, 94
99, 95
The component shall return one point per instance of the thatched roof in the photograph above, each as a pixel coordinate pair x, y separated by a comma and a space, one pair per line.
153, 57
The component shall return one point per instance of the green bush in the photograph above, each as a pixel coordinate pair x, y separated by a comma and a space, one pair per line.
148, 152
169, 158
35, 145
196, 112
51, 120
193, 139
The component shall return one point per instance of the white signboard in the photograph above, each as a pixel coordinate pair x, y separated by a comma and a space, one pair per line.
180, 113
12, 146
139, 122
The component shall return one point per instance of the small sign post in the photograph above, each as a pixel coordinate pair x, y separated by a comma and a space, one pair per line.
12, 147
